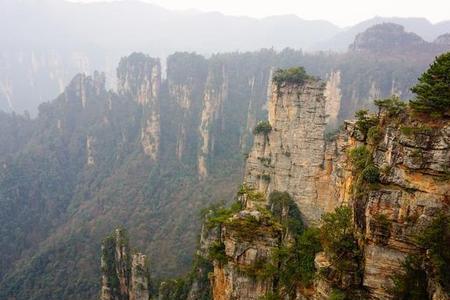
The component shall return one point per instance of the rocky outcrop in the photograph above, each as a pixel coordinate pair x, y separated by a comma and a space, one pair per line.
139, 78
293, 156
247, 240
124, 276
411, 156
411, 194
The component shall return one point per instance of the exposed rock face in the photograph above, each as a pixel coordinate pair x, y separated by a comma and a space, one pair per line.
385, 37
212, 104
319, 176
139, 278
333, 97
246, 251
85, 88
292, 157
410, 196
124, 276
139, 77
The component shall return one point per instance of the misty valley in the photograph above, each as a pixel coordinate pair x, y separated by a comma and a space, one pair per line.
174, 167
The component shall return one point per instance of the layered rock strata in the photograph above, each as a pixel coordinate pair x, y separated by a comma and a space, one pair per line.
294, 156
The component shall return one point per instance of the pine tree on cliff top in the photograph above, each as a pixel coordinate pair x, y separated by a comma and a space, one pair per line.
433, 90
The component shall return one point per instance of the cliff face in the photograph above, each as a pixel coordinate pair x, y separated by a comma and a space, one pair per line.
412, 158
139, 78
413, 191
293, 156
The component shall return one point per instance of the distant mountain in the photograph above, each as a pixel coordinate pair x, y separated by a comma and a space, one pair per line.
386, 36
420, 26
135, 26
44, 43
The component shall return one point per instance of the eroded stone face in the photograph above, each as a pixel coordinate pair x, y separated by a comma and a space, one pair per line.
410, 196
124, 276
245, 252
139, 77
294, 156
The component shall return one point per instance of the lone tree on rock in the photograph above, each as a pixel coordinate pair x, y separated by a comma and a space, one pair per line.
433, 90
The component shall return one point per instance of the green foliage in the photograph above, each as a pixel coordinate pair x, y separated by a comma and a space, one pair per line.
413, 131
109, 268
360, 157
337, 294
263, 127
433, 90
248, 227
338, 241
393, 106
371, 174
286, 211
115, 265
365, 121
296, 75
216, 252
265, 177
294, 260
383, 221
218, 214
374, 134
174, 289
436, 239
411, 284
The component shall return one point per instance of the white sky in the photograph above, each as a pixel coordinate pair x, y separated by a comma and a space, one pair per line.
340, 12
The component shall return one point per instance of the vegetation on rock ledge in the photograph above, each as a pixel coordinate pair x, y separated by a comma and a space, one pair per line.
263, 127
296, 75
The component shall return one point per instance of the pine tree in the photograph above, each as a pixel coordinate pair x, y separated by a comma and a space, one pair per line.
433, 90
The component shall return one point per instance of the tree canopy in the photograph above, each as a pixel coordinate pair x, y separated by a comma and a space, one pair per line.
433, 90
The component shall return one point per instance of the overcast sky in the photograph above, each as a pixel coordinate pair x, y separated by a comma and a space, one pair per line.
340, 12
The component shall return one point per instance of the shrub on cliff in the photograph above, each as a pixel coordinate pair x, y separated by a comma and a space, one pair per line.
365, 121
286, 211
392, 106
433, 90
216, 252
371, 174
359, 157
434, 239
411, 284
296, 75
263, 127
295, 261
338, 241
